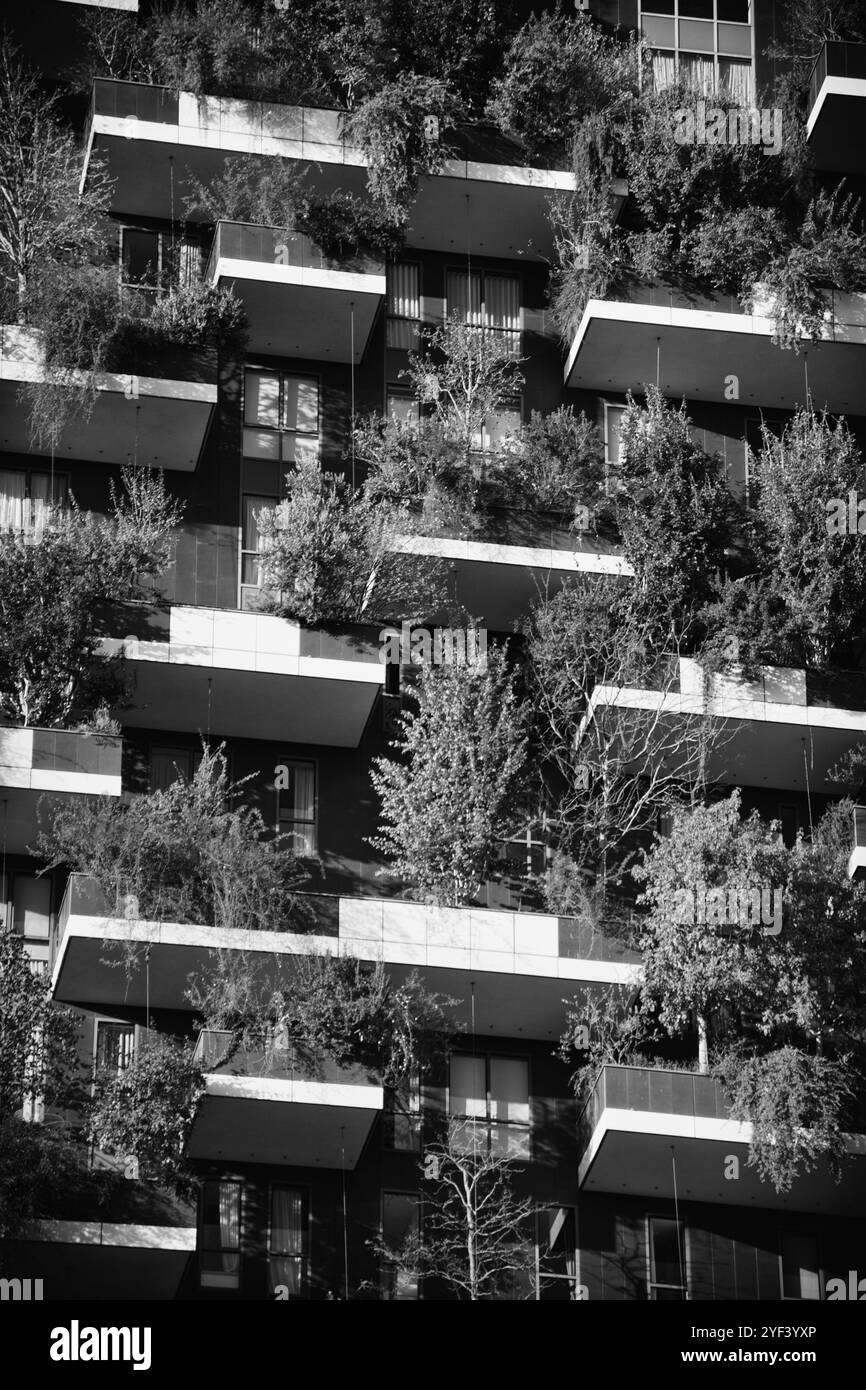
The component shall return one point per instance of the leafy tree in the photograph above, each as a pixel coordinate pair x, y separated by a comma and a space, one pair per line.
452, 793
146, 1111
37, 1038
323, 1006
51, 589
475, 1235
44, 220
327, 555
559, 68
463, 374
800, 600
43, 1173
183, 853
388, 128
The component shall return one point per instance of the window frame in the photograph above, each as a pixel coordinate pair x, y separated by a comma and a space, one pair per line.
570, 1279
412, 1114
796, 1234
213, 1279
306, 1231
488, 1122
281, 431
57, 480
193, 754
718, 55
403, 319
652, 1282
385, 1265
286, 760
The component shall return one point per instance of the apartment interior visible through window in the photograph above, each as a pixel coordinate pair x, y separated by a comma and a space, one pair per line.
706, 43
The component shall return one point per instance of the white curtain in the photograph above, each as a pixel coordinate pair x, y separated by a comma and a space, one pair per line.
287, 1238
298, 806
463, 296
502, 302
14, 507
664, 69
699, 72
229, 1227
403, 291
735, 79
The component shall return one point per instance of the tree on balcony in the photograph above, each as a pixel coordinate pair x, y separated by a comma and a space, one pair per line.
320, 1006
474, 1236
188, 853
52, 586
452, 793
328, 555
777, 995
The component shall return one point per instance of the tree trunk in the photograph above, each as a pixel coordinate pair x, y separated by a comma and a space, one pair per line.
703, 1049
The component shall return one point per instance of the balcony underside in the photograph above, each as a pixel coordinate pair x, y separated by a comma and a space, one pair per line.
496, 582
296, 312
693, 353
163, 426
308, 1124
630, 1153
55, 762
835, 126
496, 210
101, 963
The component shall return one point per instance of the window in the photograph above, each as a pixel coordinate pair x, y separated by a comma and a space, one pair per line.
404, 306
402, 1117
613, 416
667, 1252
557, 1255
25, 496
140, 257
706, 43
399, 1224
486, 300
501, 423
25, 905
790, 818
297, 804
169, 765
251, 541
402, 406
492, 1092
115, 1043
800, 1267
220, 1234
281, 416
288, 1252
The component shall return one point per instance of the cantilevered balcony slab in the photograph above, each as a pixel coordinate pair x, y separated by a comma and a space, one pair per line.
636, 1118
263, 1109
521, 967
784, 729
34, 762
298, 302
154, 137
498, 579
199, 669
837, 109
158, 420
693, 347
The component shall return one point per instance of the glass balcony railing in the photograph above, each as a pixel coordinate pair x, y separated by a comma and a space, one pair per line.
653, 1090
241, 241
836, 60
859, 840
139, 100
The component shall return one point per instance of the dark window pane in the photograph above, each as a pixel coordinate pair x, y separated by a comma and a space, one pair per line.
140, 257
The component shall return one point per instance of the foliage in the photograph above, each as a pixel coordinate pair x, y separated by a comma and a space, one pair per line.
146, 1111
328, 555
51, 589
559, 68
794, 1102
800, 600
463, 374
452, 793
388, 128
605, 1026
37, 1038
184, 853
475, 1235
323, 1006
674, 512
198, 315
44, 220
42, 1174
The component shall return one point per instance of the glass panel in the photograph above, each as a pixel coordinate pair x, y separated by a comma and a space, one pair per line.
667, 1251
220, 1234
31, 905
659, 31
735, 80
302, 405
403, 334
733, 39
140, 257
658, 7
169, 765
463, 296
114, 1044
300, 448
499, 425
404, 291
252, 507
664, 70
509, 1141
697, 9
13, 505
800, 1267
403, 408
399, 1221
261, 399
509, 1089
287, 1221
298, 800
698, 72
467, 1093
735, 10
502, 302
258, 444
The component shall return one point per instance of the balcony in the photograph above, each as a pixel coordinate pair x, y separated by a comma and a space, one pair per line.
59, 761
692, 345
274, 1108
496, 574
298, 302
837, 107
637, 1118
768, 726
857, 857
147, 414
155, 137
239, 674
520, 966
